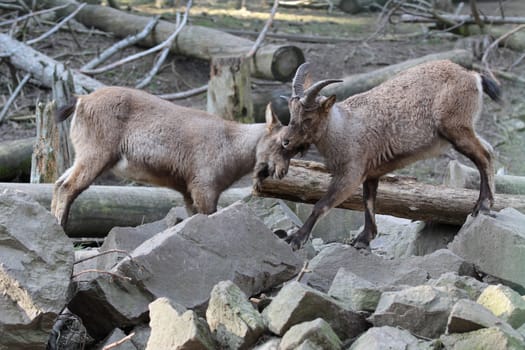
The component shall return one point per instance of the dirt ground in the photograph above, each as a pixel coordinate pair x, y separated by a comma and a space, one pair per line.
501, 126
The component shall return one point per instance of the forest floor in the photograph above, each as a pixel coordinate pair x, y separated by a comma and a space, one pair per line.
364, 51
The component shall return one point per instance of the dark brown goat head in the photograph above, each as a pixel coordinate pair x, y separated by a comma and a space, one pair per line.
272, 160
308, 111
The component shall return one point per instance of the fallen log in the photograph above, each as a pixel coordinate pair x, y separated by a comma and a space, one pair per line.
404, 197
275, 62
358, 83
461, 176
98, 209
463, 19
15, 158
42, 67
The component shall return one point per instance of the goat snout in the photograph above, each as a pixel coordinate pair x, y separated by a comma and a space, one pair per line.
285, 143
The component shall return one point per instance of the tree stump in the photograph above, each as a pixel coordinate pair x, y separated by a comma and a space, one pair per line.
229, 91
53, 152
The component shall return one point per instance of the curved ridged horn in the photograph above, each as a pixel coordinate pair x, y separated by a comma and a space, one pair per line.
311, 93
298, 80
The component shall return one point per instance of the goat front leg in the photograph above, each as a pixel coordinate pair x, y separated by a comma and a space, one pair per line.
341, 187
362, 241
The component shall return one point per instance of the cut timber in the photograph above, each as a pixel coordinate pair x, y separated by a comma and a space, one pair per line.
42, 67
462, 176
275, 62
229, 89
44, 160
358, 83
398, 196
100, 208
15, 158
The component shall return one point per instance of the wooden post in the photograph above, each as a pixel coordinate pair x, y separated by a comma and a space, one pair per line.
53, 152
229, 91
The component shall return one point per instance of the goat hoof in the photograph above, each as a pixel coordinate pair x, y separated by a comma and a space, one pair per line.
294, 242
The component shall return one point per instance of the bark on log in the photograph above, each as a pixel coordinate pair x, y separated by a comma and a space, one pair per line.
358, 83
464, 19
15, 158
398, 196
100, 208
462, 176
42, 67
276, 62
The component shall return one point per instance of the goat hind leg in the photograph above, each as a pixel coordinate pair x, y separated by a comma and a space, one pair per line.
468, 143
362, 241
56, 187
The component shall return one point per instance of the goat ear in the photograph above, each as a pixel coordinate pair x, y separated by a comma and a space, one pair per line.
328, 103
271, 118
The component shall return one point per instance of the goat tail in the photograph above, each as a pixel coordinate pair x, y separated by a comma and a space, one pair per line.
64, 112
491, 88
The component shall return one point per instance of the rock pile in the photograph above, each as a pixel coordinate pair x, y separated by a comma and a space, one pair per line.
225, 281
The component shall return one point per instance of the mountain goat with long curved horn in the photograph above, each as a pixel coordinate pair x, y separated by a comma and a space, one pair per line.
409, 117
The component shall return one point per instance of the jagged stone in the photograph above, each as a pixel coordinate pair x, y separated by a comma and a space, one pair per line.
317, 333
36, 262
107, 302
186, 261
495, 244
386, 337
275, 213
504, 303
486, 338
468, 284
129, 238
422, 310
467, 316
356, 292
116, 335
232, 319
171, 328
82, 254
296, 303
270, 344
412, 271
142, 334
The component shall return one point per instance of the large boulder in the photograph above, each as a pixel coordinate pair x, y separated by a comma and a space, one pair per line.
391, 338
504, 303
487, 338
233, 320
296, 303
411, 271
186, 261
173, 328
36, 263
316, 333
495, 244
422, 310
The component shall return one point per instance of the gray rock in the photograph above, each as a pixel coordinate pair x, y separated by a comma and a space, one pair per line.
296, 303
422, 310
467, 316
232, 319
468, 284
116, 335
504, 303
354, 291
309, 345
186, 261
412, 271
142, 334
486, 338
391, 338
36, 262
129, 238
275, 213
172, 329
495, 244
90, 263
270, 344
316, 333
105, 303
